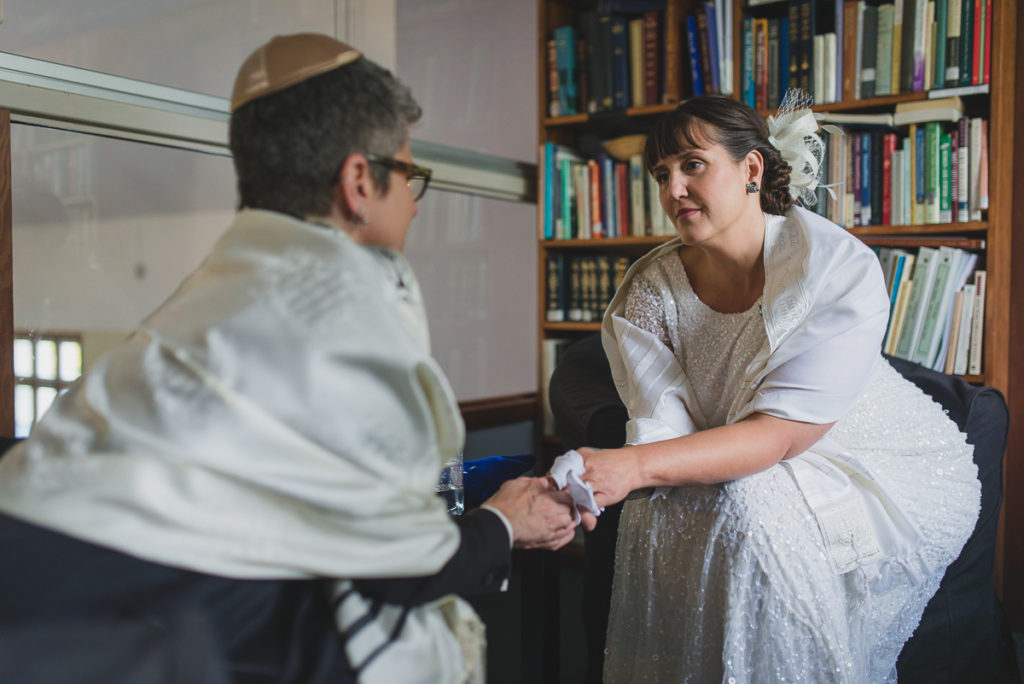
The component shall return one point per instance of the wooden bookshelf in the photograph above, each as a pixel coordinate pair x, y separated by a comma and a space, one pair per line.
994, 237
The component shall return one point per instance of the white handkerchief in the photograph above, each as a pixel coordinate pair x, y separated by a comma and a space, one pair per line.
567, 471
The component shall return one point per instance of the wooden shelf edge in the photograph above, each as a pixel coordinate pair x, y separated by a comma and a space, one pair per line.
921, 229
594, 326
598, 243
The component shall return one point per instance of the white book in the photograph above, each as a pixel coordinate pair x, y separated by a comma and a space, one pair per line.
964, 267
829, 64
977, 324
963, 342
963, 182
819, 68
939, 301
923, 277
974, 191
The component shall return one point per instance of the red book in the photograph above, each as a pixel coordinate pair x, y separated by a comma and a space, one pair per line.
622, 191
986, 76
652, 55
888, 147
977, 49
597, 224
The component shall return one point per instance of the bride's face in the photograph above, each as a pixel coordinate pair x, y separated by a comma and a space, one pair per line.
703, 191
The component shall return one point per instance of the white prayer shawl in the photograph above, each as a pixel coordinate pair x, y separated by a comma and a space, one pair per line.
279, 416
825, 311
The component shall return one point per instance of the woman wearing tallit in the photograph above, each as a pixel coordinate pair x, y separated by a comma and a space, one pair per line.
259, 457
795, 500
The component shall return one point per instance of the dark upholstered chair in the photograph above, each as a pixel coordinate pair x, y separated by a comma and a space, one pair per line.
962, 635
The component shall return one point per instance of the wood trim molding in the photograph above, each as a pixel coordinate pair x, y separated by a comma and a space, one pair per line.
6, 281
497, 411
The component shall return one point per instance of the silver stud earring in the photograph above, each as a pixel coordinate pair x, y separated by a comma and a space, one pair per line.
752, 187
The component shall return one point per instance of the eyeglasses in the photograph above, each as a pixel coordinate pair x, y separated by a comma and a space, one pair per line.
417, 177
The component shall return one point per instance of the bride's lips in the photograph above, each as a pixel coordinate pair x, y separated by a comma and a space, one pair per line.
687, 212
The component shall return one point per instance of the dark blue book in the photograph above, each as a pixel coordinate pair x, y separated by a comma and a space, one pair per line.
865, 181
715, 67
783, 55
694, 48
747, 74
877, 156
620, 61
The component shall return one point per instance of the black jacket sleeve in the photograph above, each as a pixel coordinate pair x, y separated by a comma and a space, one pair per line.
480, 565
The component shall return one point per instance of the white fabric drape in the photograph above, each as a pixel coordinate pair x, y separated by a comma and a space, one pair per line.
280, 416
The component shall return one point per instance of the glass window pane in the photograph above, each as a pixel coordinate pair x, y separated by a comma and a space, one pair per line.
24, 410
23, 358
46, 359
70, 360
44, 397
196, 45
105, 230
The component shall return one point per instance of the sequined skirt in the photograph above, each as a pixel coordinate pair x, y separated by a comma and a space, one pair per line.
731, 583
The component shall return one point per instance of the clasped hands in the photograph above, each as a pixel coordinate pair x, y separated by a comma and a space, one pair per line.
542, 516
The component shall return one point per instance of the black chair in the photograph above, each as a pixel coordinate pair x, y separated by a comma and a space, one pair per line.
962, 635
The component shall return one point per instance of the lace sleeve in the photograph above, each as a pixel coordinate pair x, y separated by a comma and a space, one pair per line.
645, 309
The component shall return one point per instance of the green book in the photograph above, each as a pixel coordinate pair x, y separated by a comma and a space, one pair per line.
869, 52
923, 275
932, 139
939, 46
932, 324
945, 178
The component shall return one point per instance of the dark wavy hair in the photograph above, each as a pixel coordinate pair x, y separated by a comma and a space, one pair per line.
288, 146
733, 125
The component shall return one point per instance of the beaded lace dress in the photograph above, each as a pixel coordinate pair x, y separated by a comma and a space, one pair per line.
730, 582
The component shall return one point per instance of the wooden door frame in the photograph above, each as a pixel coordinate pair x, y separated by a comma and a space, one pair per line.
6, 282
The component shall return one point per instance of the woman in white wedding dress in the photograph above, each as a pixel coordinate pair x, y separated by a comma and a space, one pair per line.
795, 501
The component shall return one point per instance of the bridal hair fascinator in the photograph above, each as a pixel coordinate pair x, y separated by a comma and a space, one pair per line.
793, 131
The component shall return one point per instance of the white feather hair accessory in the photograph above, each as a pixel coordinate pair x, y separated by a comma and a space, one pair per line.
793, 131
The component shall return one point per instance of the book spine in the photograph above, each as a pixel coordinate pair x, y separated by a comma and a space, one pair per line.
636, 63
849, 49
954, 9
673, 90
774, 95
784, 57
747, 78
714, 62
974, 192
986, 75
652, 56
977, 324
575, 289
888, 148
694, 52
963, 170
620, 62
938, 65
897, 44
883, 74
761, 63
954, 175
964, 341
555, 289
919, 176
869, 52
877, 187
983, 169
907, 45
945, 166
636, 195
858, 187
977, 42
793, 10
806, 45
932, 133
921, 30
552, 63
704, 47
966, 41
565, 57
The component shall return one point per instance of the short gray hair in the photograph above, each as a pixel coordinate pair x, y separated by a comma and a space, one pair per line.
289, 146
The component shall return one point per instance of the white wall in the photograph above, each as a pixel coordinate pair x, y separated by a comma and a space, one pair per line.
157, 211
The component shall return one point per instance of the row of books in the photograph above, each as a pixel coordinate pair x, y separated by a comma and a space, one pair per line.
841, 50
595, 198
933, 172
579, 287
937, 307
645, 54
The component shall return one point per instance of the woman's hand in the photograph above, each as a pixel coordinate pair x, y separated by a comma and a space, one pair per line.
611, 473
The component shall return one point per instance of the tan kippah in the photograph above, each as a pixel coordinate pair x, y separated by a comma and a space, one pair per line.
287, 60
